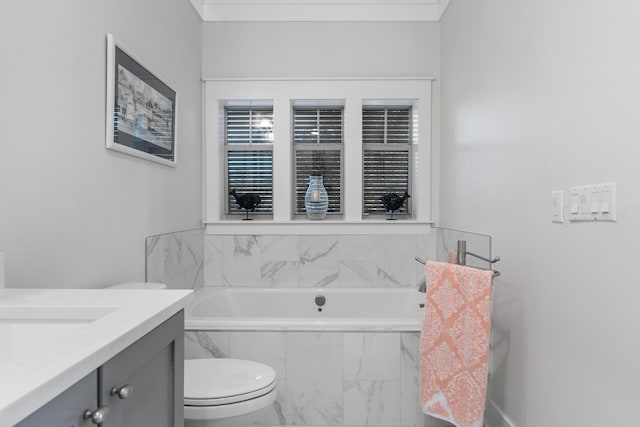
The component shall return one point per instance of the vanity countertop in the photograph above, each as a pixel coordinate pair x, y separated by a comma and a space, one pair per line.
51, 338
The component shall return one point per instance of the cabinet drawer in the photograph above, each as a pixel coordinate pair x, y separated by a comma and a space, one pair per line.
67, 409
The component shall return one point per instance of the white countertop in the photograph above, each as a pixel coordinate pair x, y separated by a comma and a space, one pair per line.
51, 338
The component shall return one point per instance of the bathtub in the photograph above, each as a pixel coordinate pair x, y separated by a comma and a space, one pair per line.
295, 309
355, 362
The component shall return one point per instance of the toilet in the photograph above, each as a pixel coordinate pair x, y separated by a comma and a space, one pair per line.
222, 392
227, 392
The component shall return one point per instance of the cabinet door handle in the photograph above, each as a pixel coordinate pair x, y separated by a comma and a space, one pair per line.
122, 392
97, 416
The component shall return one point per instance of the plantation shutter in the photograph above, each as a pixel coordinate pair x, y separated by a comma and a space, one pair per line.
386, 137
249, 156
318, 142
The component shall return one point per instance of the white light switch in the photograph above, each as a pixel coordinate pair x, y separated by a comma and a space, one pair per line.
595, 201
585, 206
608, 202
557, 208
604, 205
575, 203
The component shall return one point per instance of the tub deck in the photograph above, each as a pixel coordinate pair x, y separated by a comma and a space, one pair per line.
295, 309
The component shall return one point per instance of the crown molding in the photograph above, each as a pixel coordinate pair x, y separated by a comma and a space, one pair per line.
320, 10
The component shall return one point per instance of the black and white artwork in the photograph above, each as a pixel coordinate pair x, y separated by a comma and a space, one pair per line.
141, 109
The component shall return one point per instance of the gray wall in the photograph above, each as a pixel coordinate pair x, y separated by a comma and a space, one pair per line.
541, 96
329, 49
72, 213
321, 49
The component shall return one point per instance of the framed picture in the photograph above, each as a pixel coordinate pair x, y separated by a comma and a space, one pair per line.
141, 109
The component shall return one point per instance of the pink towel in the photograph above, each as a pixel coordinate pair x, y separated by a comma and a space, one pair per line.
454, 344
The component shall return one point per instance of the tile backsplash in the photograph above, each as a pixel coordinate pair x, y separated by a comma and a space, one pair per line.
316, 261
176, 259
192, 259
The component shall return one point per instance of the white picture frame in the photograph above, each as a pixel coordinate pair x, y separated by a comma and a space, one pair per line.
141, 109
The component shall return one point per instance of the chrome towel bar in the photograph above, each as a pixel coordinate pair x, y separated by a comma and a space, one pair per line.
462, 258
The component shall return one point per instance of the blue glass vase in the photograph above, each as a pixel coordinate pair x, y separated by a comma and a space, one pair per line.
316, 199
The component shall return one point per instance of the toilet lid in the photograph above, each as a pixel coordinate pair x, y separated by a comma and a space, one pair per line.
223, 381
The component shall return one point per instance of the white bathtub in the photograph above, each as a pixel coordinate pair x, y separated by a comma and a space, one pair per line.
295, 309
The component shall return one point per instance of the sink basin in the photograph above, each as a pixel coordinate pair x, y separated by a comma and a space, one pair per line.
51, 314
29, 330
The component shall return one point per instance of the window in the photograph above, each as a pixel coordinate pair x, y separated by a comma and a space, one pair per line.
317, 144
366, 136
387, 150
249, 156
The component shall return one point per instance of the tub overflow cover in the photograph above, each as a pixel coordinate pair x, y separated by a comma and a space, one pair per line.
320, 300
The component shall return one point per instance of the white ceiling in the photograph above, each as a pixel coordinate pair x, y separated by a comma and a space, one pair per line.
320, 10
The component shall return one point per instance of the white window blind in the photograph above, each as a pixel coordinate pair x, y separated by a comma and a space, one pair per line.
386, 138
317, 143
249, 156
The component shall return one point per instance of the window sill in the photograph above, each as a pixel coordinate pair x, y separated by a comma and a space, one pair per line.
327, 226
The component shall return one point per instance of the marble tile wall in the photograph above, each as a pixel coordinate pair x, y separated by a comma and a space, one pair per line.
316, 261
176, 259
330, 378
346, 379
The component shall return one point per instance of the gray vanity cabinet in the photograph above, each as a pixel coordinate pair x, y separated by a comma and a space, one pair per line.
68, 407
140, 386
143, 385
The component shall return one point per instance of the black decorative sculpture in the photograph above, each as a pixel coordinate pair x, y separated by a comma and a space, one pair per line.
392, 202
248, 201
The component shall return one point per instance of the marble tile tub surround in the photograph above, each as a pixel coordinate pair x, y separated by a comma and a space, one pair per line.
330, 378
176, 259
321, 261
316, 261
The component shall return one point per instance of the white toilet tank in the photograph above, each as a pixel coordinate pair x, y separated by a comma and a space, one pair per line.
138, 285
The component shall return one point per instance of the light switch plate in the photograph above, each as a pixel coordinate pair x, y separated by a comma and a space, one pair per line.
557, 206
593, 203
